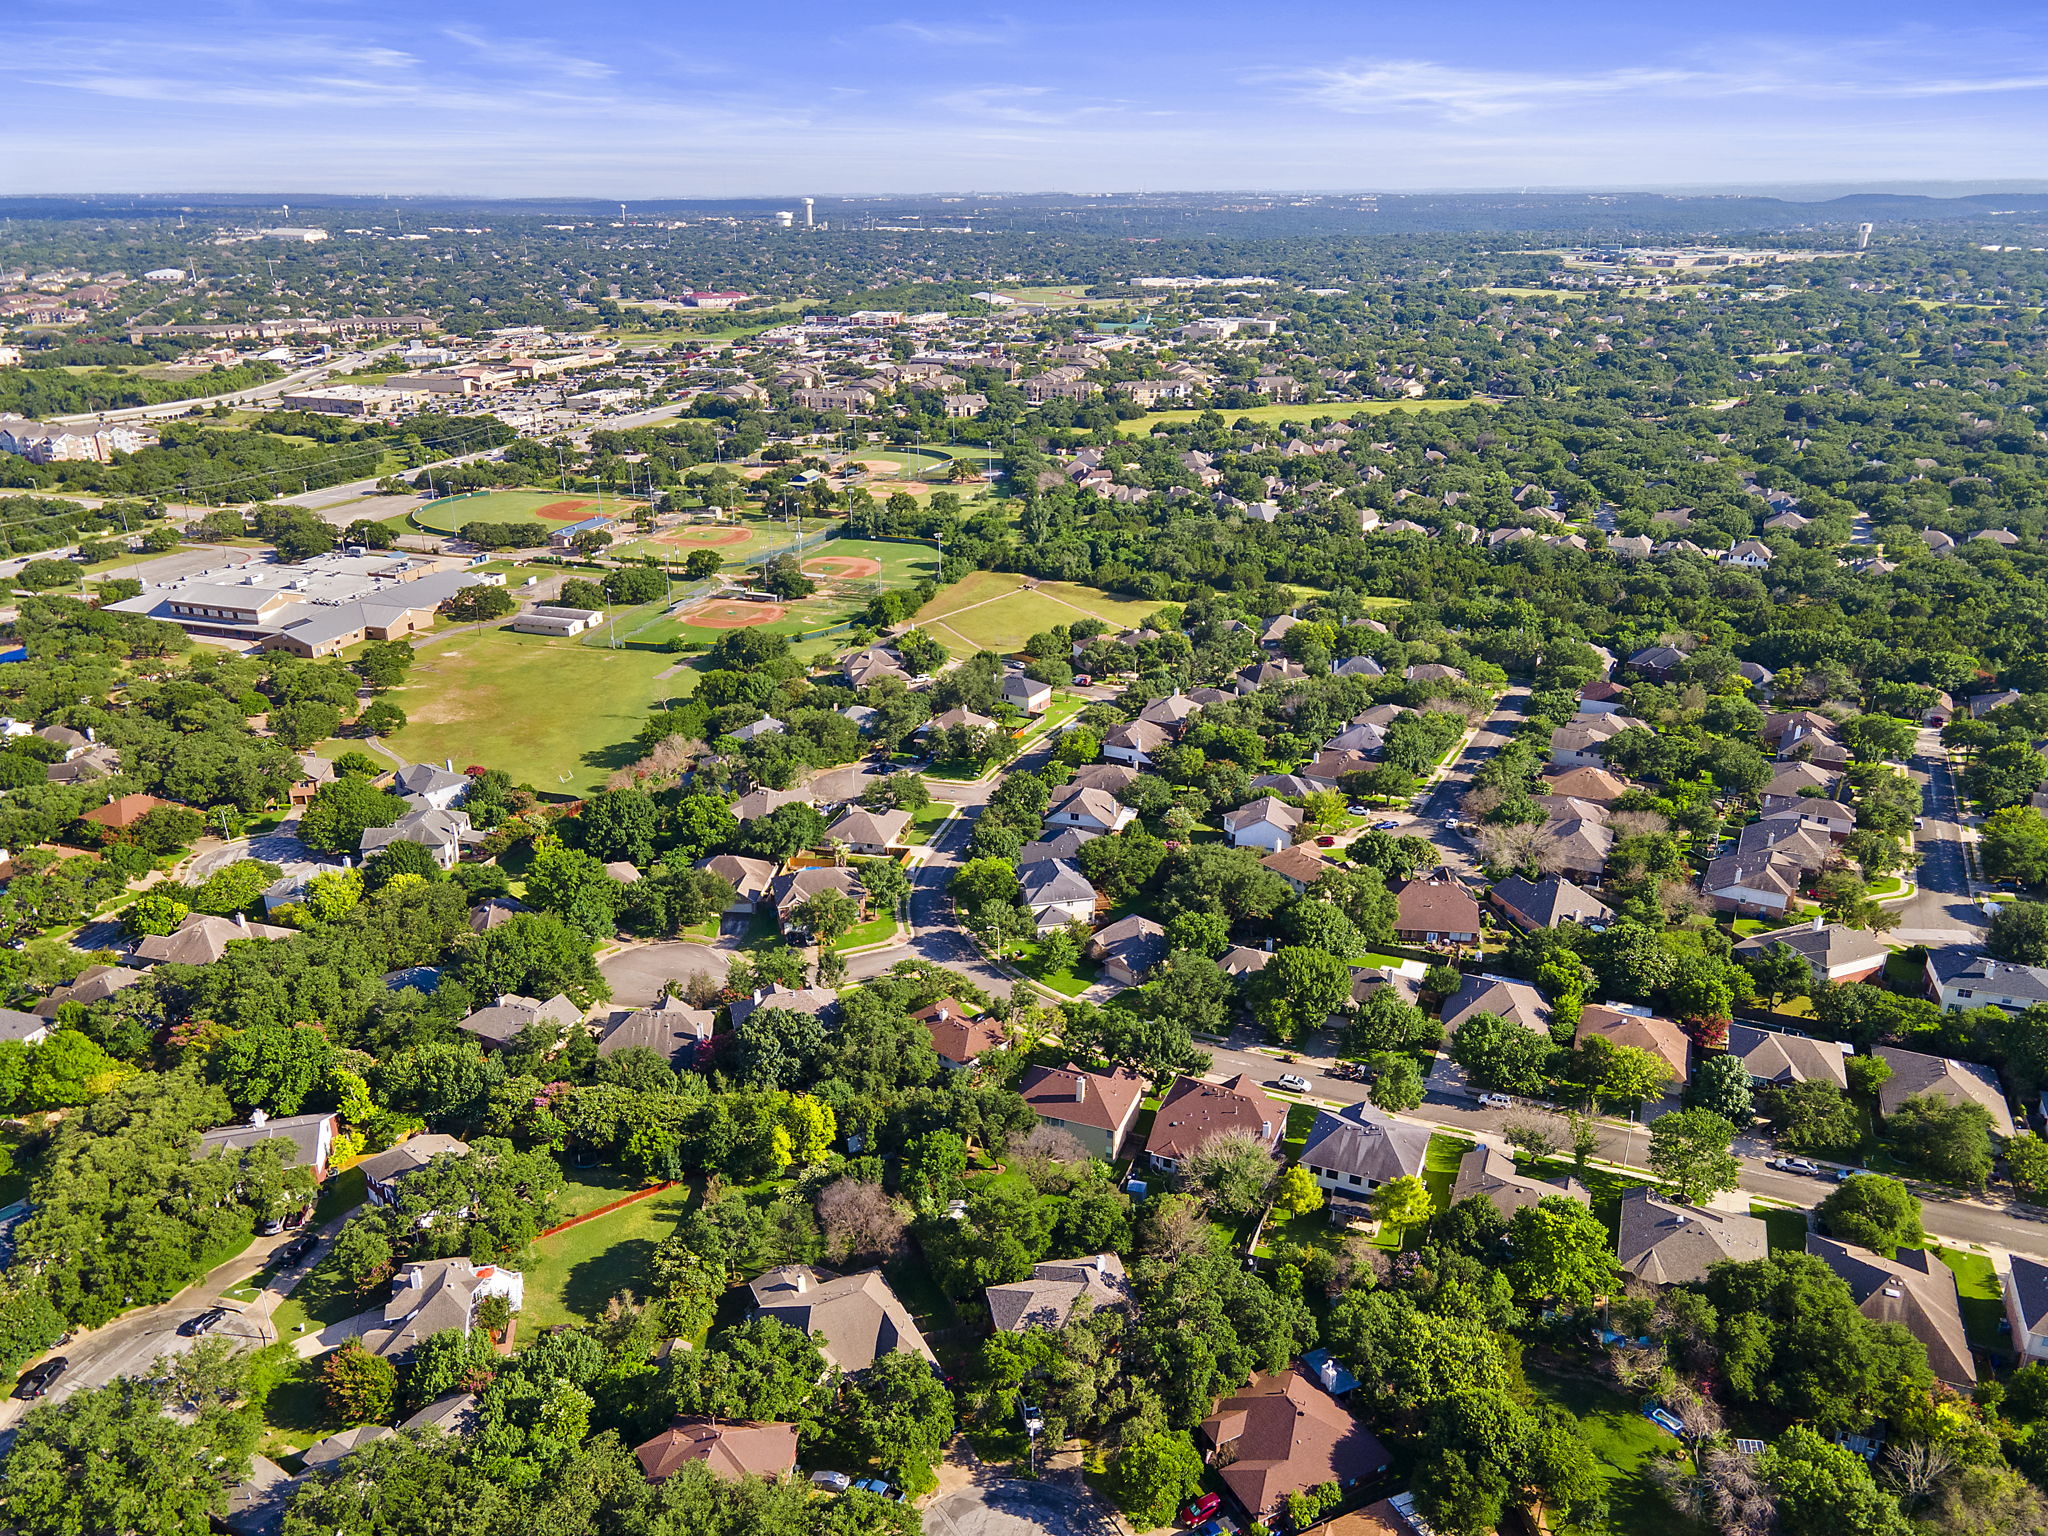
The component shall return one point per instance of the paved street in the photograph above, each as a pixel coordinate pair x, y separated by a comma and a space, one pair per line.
1942, 911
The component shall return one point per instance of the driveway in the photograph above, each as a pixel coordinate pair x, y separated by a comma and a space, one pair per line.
637, 975
280, 846
1011, 1507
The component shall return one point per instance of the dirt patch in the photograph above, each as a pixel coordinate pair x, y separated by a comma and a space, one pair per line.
843, 567
730, 615
563, 511
703, 536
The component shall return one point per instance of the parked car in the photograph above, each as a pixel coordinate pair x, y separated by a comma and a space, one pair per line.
1326, 842
1496, 1101
1450, 823
294, 1251
271, 1227
1293, 1083
205, 1322
1385, 826
1195, 1511
832, 1482
38, 1379
1797, 1165
875, 1485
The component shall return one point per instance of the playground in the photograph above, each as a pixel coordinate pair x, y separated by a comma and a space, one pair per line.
449, 513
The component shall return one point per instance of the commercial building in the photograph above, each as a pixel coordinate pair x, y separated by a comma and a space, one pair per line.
349, 400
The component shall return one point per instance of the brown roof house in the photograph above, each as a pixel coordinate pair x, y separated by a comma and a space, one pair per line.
1915, 1290
1624, 1024
1547, 902
1268, 824
669, 1027
502, 1022
1049, 1297
1193, 1111
1957, 1082
1435, 913
751, 879
1128, 948
1282, 1435
382, 1172
202, 939
858, 1315
960, 1035
1517, 1001
1490, 1172
1773, 1058
436, 1294
1831, 951
869, 832
1096, 1108
1666, 1243
94, 984
731, 1450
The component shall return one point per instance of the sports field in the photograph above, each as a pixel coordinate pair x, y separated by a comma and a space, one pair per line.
737, 540
998, 611
899, 564
1336, 410
921, 471
451, 512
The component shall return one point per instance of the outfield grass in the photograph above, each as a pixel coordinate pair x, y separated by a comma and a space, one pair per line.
570, 1276
551, 712
996, 611
1335, 410
765, 535
450, 513
902, 564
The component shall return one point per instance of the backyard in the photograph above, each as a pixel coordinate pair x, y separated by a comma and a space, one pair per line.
1623, 1441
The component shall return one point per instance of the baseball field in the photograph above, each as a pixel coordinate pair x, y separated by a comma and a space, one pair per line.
999, 611
449, 513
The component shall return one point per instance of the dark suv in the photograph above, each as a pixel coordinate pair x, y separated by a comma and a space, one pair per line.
38, 1379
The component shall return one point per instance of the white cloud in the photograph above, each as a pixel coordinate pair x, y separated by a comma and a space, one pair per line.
538, 55
952, 35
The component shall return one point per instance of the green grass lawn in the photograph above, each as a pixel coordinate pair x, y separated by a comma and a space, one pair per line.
450, 513
924, 822
877, 930
996, 611
294, 1404
1981, 1296
1334, 410
570, 1276
553, 713
1440, 1165
1068, 981
1622, 1440
1787, 1229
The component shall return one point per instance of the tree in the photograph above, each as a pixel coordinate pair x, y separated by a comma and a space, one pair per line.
342, 810
618, 824
1721, 1084
783, 833
68, 1068
1689, 1152
534, 954
898, 1416
1950, 1142
1778, 971
1813, 1116
1296, 1192
111, 1459
1873, 1212
826, 915
702, 564
1153, 1476
2014, 845
1403, 1202
1298, 990
760, 1369
1502, 1054
575, 887
360, 1386
2019, 933
778, 1048
1396, 1081
1823, 1489
1561, 1252
1624, 1075
2026, 1155
480, 604
1231, 1173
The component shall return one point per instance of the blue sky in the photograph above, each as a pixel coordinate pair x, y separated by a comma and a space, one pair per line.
683, 99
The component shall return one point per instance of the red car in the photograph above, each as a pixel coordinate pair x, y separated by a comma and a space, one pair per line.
1326, 842
1198, 1510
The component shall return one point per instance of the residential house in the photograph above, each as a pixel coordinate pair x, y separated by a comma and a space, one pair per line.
1583, 743
1603, 697
1829, 816
869, 832
1064, 846
1752, 884
730, 1450
1433, 672
95, 984
1773, 1058
1831, 951
1355, 1150
1194, 1111
1127, 949
669, 1027
1049, 1297
1961, 977
381, 1174
1269, 824
311, 1138
1097, 1109
1796, 781
1657, 663
1596, 785
501, 1022
1547, 902
959, 1034
1027, 694
437, 788
330, 1449
1243, 960
1435, 912
752, 880
1952, 1081
1301, 867
1624, 1024
872, 665
760, 802
1134, 741
1090, 810
123, 812
2026, 1307
1667, 1243
434, 1295
1056, 892
855, 1318
1111, 778
792, 890
202, 939
1490, 1172
1983, 704
444, 834
1516, 1001
1283, 1435
255, 1506
1913, 1289
957, 716
1579, 844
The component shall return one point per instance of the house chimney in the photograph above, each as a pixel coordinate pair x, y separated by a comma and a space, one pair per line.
802, 1278
241, 922
1819, 922
1080, 1086
89, 736
1102, 1263
448, 764
259, 1117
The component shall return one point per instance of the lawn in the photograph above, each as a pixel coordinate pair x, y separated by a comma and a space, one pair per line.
877, 930
1981, 1295
570, 1276
924, 822
553, 713
1330, 410
902, 563
998, 611
1070, 981
1440, 1166
451, 512
763, 536
1622, 1440
1786, 1228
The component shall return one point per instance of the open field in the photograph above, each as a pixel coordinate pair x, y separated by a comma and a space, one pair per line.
1064, 296
999, 611
451, 512
550, 711
1335, 410
737, 541
901, 564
